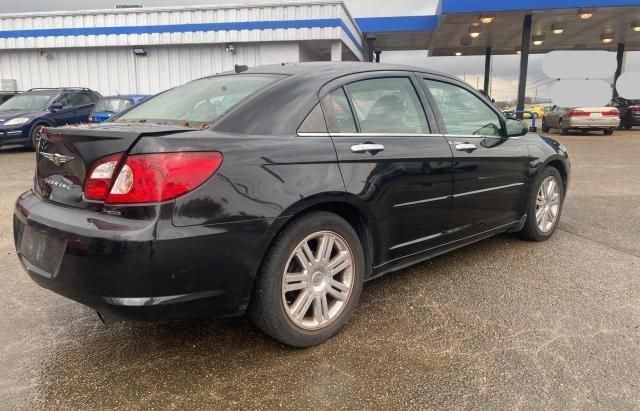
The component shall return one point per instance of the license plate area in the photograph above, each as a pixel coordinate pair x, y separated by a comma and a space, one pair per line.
596, 115
42, 251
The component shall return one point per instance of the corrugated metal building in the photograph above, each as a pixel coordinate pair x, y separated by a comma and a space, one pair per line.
147, 50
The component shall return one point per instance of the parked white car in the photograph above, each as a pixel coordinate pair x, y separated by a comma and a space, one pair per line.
585, 119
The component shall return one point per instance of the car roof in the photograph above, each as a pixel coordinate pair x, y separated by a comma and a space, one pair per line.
330, 70
130, 96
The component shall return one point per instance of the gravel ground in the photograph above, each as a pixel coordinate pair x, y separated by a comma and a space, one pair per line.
500, 324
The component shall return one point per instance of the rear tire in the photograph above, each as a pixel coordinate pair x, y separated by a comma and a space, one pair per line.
563, 131
303, 300
608, 132
544, 206
34, 135
545, 127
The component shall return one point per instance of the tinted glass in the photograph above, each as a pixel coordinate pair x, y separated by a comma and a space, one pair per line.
64, 99
338, 113
112, 105
27, 101
79, 99
314, 123
463, 112
387, 105
200, 101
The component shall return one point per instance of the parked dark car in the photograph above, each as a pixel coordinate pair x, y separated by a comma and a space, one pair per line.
629, 111
279, 190
6, 95
22, 117
109, 106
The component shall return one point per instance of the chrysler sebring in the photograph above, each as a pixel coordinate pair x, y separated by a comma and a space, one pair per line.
278, 191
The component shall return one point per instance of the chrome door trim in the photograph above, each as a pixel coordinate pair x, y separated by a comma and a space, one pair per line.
418, 240
487, 189
428, 200
442, 245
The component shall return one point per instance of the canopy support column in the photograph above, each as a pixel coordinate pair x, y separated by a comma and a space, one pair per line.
620, 60
524, 63
487, 69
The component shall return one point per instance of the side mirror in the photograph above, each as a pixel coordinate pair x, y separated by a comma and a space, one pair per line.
56, 107
516, 128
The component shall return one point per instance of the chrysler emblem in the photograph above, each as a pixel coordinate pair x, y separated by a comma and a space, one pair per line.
57, 159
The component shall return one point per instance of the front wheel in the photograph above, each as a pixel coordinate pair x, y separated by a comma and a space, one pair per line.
608, 132
34, 136
545, 206
310, 282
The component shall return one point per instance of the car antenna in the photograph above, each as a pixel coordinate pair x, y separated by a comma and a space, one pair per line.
240, 68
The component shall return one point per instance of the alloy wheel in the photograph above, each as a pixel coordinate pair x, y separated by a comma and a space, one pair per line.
318, 280
547, 204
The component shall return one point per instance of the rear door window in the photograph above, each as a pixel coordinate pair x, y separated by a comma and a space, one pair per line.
80, 99
388, 106
338, 113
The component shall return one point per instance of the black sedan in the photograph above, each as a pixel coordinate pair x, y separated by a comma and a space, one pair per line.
278, 191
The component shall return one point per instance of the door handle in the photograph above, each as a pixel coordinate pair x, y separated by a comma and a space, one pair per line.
367, 148
465, 146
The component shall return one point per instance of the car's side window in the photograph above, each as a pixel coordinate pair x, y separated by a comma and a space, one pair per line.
63, 99
338, 113
79, 99
314, 123
463, 112
387, 105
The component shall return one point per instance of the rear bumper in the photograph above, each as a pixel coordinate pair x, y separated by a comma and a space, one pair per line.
596, 124
138, 269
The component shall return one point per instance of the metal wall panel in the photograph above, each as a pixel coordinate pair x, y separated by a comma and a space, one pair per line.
112, 70
180, 25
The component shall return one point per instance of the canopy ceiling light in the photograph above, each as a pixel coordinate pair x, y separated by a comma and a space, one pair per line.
518, 50
458, 53
635, 26
487, 18
538, 40
607, 38
585, 14
475, 31
557, 29
139, 51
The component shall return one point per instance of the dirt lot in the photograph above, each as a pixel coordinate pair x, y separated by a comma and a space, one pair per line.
500, 324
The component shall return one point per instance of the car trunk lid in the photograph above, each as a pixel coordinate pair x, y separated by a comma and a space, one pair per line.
66, 154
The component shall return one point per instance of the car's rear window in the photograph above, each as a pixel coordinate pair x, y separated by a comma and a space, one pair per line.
200, 101
112, 105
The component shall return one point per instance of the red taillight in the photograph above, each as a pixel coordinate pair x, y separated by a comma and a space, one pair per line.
634, 108
100, 176
611, 112
149, 178
579, 113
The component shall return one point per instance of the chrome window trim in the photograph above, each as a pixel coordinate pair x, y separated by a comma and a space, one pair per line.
325, 134
319, 134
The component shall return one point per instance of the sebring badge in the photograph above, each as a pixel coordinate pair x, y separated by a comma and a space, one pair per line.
57, 159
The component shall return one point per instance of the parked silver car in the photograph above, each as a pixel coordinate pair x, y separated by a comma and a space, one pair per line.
585, 119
